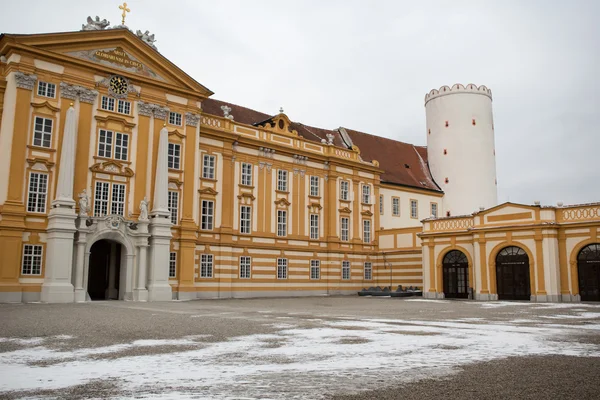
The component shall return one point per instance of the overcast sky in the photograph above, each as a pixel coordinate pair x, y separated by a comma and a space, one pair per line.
367, 65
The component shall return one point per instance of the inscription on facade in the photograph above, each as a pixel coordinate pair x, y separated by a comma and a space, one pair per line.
119, 56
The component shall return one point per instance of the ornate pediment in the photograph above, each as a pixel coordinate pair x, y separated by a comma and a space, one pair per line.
176, 133
114, 123
345, 210
45, 107
246, 195
112, 168
40, 164
282, 202
280, 123
208, 191
174, 183
314, 207
367, 213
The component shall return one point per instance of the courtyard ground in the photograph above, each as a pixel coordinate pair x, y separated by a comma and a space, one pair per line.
300, 348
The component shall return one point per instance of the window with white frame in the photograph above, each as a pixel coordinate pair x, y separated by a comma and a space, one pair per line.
395, 206
366, 194
172, 264
434, 210
37, 194
109, 196
315, 269
174, 118
173, 204
174, 156
107, 103
113, 145
208, 212
367, 231
314, 185
344, 190
245, 267
208, 166
46, 89
345, 229
368, 271
282, 180
245, 219
282, 264
414, 209
314, 226
124, 107
246, 174
345, 269
42, 132
32, 260
117, 206
206, 266
281, 223
381, 204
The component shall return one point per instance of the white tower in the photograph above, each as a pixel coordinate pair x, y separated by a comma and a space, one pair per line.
460, 146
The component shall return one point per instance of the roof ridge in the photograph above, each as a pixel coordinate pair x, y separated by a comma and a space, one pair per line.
382, 137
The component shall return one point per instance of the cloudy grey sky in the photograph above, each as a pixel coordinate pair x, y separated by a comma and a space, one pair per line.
367, 65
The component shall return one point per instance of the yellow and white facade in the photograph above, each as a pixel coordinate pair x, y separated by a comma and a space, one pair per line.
121, 178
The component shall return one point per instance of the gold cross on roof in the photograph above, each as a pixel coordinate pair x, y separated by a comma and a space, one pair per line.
125, 11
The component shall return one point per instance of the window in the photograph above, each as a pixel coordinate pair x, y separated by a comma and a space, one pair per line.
368, 271
367, 231
246, 174
434, 210
32, 260
381, 204
121, 146
175, 118
206, 266
172, 264
414, 209
314, 226
42, 132
208, 169
107, 103
117, 206
245, 267
173, 202
46, 89
101, 199
344, 190
124, 107
315, 267
174, 156
282, 180
395, 206
345, 269
106, 148
281, 223
314, 185
282, 268
345, 229
245, 219
366, 194
38, 187
208, 211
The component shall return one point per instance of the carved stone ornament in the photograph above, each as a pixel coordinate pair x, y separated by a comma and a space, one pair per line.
152, 110
130, 89
113, 221
95, 25
74, 92
146, 38
226, 110
84, 203
192, 119
25, 81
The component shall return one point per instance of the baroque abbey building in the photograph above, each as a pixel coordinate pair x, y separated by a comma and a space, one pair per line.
122, 178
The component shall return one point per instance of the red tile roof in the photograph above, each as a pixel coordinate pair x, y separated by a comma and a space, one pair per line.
403, 163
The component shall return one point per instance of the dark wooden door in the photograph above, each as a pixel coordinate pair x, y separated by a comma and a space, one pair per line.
512, 274
588, 267
98, 270
456, 275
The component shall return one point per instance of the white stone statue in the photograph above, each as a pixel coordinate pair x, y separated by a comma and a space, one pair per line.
330, 138
147, 38
84, 204
143, 210
95, 25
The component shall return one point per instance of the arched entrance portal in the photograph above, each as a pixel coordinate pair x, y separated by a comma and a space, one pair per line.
588, 267
104, 273
456, 269
512, 274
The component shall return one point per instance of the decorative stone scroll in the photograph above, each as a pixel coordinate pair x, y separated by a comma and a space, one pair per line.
152, 110
25, 81
74, 92
192, 119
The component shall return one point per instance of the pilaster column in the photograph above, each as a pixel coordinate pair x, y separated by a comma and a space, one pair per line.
227, 206
140, 292
80, 263
356, 200
331, 210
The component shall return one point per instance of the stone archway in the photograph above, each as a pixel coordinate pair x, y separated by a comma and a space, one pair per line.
455, 275
104, 271
512, 274
588, 271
